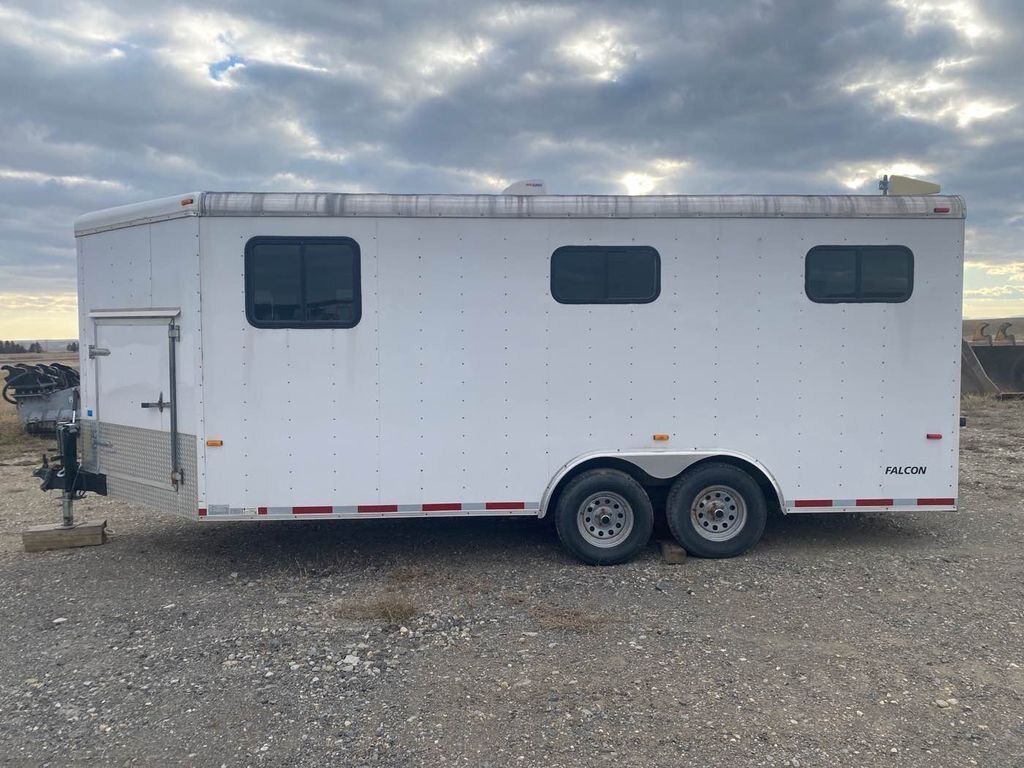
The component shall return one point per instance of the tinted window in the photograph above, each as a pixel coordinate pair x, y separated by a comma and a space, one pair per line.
302, 282
598, 274
862, 273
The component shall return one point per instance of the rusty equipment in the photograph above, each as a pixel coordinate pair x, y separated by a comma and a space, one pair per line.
43, 394
993, 365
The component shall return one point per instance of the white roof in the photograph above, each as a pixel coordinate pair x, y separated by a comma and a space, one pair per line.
522, 206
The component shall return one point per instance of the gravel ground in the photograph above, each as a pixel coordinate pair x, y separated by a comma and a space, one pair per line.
845, 640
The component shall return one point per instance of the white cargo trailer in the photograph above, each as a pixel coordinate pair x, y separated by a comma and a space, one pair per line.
345, 356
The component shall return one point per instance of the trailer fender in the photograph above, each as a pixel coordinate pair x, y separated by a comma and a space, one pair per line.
661, 465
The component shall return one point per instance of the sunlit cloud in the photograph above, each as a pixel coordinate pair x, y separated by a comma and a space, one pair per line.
308, 144
36, 316
994, 292
600, 52
56, 302
1013, 270
654, 178
38, 177
453, 55
963, 16
519, 16
991, 307
932, 98
78, 35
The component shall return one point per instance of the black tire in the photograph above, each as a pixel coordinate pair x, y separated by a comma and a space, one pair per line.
620, 487
736, 490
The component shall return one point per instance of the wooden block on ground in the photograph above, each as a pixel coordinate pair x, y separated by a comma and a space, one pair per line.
673, 553
40, 538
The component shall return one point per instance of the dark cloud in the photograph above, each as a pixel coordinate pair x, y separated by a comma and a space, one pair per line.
121, 101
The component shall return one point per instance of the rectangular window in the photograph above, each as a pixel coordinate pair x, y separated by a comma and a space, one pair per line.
836, 274
605, 274
302, 282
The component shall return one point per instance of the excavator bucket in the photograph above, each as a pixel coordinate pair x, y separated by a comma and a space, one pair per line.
993, 365
43, 394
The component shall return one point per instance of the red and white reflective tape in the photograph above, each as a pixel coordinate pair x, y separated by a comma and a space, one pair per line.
844, 504
438, 509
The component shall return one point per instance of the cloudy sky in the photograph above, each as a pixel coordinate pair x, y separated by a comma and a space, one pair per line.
104, 103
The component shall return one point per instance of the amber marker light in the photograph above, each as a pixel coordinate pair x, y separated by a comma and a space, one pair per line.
215, 443
660, 436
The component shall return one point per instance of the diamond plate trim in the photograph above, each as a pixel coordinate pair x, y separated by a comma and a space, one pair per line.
137, 463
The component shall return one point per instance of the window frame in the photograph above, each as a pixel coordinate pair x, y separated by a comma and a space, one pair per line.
302, 241
859, 298
604, 249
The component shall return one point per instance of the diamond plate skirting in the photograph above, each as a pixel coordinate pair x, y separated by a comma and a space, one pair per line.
137, 463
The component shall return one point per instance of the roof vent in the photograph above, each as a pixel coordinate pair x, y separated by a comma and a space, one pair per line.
528, 187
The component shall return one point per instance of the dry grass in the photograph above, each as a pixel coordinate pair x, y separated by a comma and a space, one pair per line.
975, 401
13, 441
68, 358
559, 618
413, 574
390, 608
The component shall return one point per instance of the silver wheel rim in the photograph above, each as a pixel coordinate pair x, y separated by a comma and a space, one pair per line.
604, 519
718, 513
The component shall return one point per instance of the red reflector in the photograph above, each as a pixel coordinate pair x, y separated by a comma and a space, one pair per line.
506, 505
934, 436
936, 502
312, 510
812, 503
261, 510
944, 209
442, 507
874, 502
377, 508
202, 512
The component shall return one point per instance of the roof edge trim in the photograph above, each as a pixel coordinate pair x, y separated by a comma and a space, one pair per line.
316, 204
576, 206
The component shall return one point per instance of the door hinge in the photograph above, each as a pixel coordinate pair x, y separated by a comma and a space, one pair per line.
174, 332
95, 351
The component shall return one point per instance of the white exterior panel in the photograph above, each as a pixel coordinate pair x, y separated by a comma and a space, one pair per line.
463, 392
297, 409
465, 381
467, 389
132, 282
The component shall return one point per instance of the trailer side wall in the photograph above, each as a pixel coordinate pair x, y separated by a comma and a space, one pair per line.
465, 382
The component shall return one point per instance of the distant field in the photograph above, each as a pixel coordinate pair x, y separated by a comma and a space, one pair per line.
68, 358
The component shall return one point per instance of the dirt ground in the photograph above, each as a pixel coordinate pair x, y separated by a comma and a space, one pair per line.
839, 641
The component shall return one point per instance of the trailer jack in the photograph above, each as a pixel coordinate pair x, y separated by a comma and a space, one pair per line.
68, 475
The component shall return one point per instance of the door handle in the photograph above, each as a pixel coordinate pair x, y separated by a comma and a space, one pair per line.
160, 404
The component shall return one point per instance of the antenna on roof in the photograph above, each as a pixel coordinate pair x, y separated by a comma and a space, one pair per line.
528, 187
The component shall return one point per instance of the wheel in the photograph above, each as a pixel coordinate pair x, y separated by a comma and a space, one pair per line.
604, 517
716, 510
